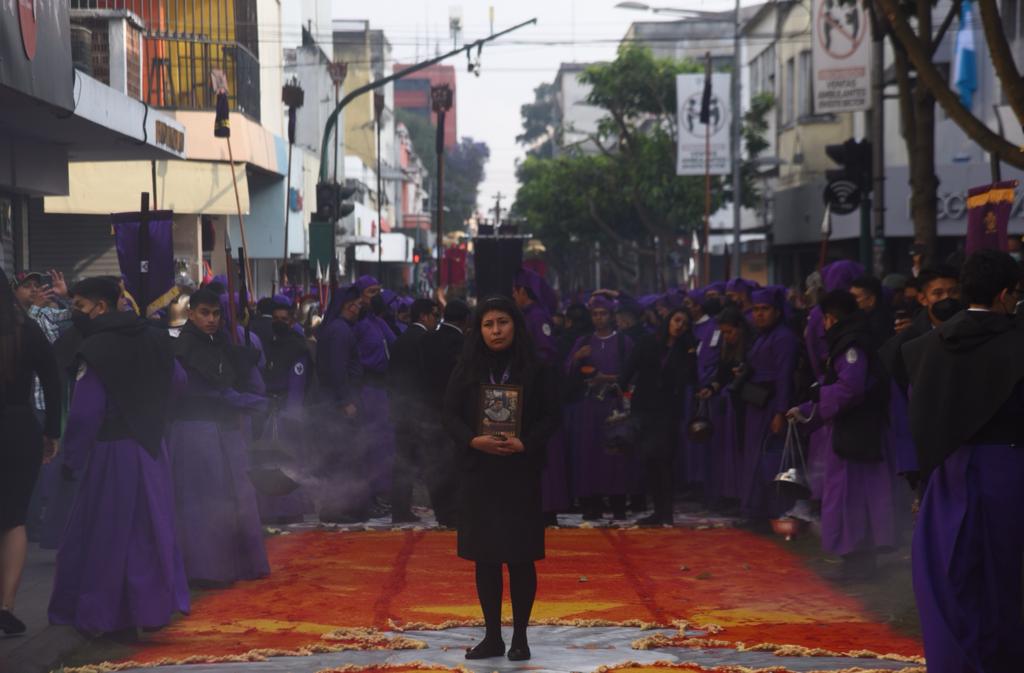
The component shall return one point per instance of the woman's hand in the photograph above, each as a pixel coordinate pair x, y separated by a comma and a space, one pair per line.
497, 446
50, 449
705, 394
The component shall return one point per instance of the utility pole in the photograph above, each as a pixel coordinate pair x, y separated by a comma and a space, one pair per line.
441, 103
497, 209
378, 109
878, 142
737, 114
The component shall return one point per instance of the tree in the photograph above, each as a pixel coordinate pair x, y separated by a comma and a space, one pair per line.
540, 123
910, 27
463, 173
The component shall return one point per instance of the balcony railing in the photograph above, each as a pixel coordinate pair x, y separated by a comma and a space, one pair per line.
184, 41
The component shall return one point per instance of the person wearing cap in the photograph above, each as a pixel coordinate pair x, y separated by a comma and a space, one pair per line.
628, 315
209, 445
598, 359
345, 497
738, 293
375, 338
857, 494
771, 361
527, 291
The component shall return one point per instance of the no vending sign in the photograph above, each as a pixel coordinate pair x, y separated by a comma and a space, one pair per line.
842, 57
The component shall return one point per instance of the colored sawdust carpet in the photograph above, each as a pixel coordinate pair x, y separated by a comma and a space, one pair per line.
332, 591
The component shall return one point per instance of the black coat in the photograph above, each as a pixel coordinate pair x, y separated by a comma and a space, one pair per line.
500, 511
441, 351
406, 376
661, 377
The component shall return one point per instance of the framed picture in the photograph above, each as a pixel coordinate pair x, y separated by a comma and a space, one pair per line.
501, 410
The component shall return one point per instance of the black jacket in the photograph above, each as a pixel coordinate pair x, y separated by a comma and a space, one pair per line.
661, 376
441, 350
406, 376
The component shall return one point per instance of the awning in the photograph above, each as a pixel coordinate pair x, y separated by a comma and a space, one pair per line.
200, 187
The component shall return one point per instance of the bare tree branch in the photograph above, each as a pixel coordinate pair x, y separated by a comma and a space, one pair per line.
953, 12
1002, 57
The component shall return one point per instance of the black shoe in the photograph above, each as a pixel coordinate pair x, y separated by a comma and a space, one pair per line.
487, 649
344, 518
11, 625
550, 520
405, 517
619, 514
519, 653
592, 516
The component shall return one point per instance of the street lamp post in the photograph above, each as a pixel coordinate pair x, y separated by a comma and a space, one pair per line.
441, 102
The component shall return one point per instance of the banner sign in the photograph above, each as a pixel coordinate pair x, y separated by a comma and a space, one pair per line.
145, 253
691, 141
988, 214
841, 57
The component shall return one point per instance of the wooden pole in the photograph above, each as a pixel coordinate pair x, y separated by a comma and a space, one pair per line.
241, 221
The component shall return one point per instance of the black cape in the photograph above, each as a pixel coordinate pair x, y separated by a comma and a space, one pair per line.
961, 374
220, 364
135, 362
891, 353
282, 351
857, 431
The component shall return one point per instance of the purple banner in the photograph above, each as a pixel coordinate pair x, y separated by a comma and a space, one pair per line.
988, 213
145, 253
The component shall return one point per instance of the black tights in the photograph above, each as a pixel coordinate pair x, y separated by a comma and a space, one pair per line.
522, 587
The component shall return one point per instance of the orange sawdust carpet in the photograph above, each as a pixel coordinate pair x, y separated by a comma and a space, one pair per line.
339, 589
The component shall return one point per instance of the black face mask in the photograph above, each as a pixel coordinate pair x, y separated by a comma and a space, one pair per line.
730, 303
280, 328
712, 306
377, 304
946, 309
81, 322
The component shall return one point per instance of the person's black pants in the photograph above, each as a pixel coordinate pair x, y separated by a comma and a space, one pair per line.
422, 446
660, 436
522, 588
407, 445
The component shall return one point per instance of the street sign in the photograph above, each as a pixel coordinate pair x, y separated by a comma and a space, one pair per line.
843, 196
694, 137
841, 56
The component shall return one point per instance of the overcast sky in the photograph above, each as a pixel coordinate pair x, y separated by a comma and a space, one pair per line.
488, 106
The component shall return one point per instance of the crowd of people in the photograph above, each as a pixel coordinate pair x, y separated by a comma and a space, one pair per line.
185, 433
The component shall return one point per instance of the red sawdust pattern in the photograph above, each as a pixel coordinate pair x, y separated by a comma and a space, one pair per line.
755, 591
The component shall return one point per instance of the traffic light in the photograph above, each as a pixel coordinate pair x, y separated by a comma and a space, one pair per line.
417, 254
854, 159
331, 201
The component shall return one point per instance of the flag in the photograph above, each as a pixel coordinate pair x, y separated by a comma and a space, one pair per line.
965, 70
988, 214
146, 257
705, 99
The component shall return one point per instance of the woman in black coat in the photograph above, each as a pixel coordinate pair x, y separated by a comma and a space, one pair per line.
661, 367
24, 353
500, 512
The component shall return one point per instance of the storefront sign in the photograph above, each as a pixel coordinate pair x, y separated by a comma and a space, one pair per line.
35, 50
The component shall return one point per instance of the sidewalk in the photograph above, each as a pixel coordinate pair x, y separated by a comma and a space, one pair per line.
43, 646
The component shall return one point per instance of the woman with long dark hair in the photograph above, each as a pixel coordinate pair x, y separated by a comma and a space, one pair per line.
24, 353
500, 511
661, 367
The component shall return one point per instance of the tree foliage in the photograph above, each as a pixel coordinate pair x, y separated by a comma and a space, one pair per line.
464, 171
540, 122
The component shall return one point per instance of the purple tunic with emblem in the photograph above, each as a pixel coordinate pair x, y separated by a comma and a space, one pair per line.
857, 504
218, 518
596, 472
374, 338
772, 359
119, 565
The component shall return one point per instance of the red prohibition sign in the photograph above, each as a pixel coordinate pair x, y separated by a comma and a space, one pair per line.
840, 30
27, 19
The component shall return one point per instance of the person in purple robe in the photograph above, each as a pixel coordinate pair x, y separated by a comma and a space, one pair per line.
738, 293
287, 377
697, 463
602, 479
374, 339
966, 402
344, 495
767, 392
857, 503
119, 567
528, 291
208, 441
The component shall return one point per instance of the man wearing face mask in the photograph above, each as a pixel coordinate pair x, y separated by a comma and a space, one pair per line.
939, 298
119, 566
856, 503
967, 399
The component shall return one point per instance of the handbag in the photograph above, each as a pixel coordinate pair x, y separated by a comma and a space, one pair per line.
756, 394
621, 429
700, 428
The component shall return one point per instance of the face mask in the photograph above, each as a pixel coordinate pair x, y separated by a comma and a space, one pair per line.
730, 303
712, 306
81, 321
377, 304
946, 309
280, 328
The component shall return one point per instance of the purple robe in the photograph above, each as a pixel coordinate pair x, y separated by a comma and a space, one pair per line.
596, 472
555, 479
293, 507
218, 518
118, 566
857, 500
696, 463
374, 338
538, 322
818, 445
966, 561
726, 446
772, 360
